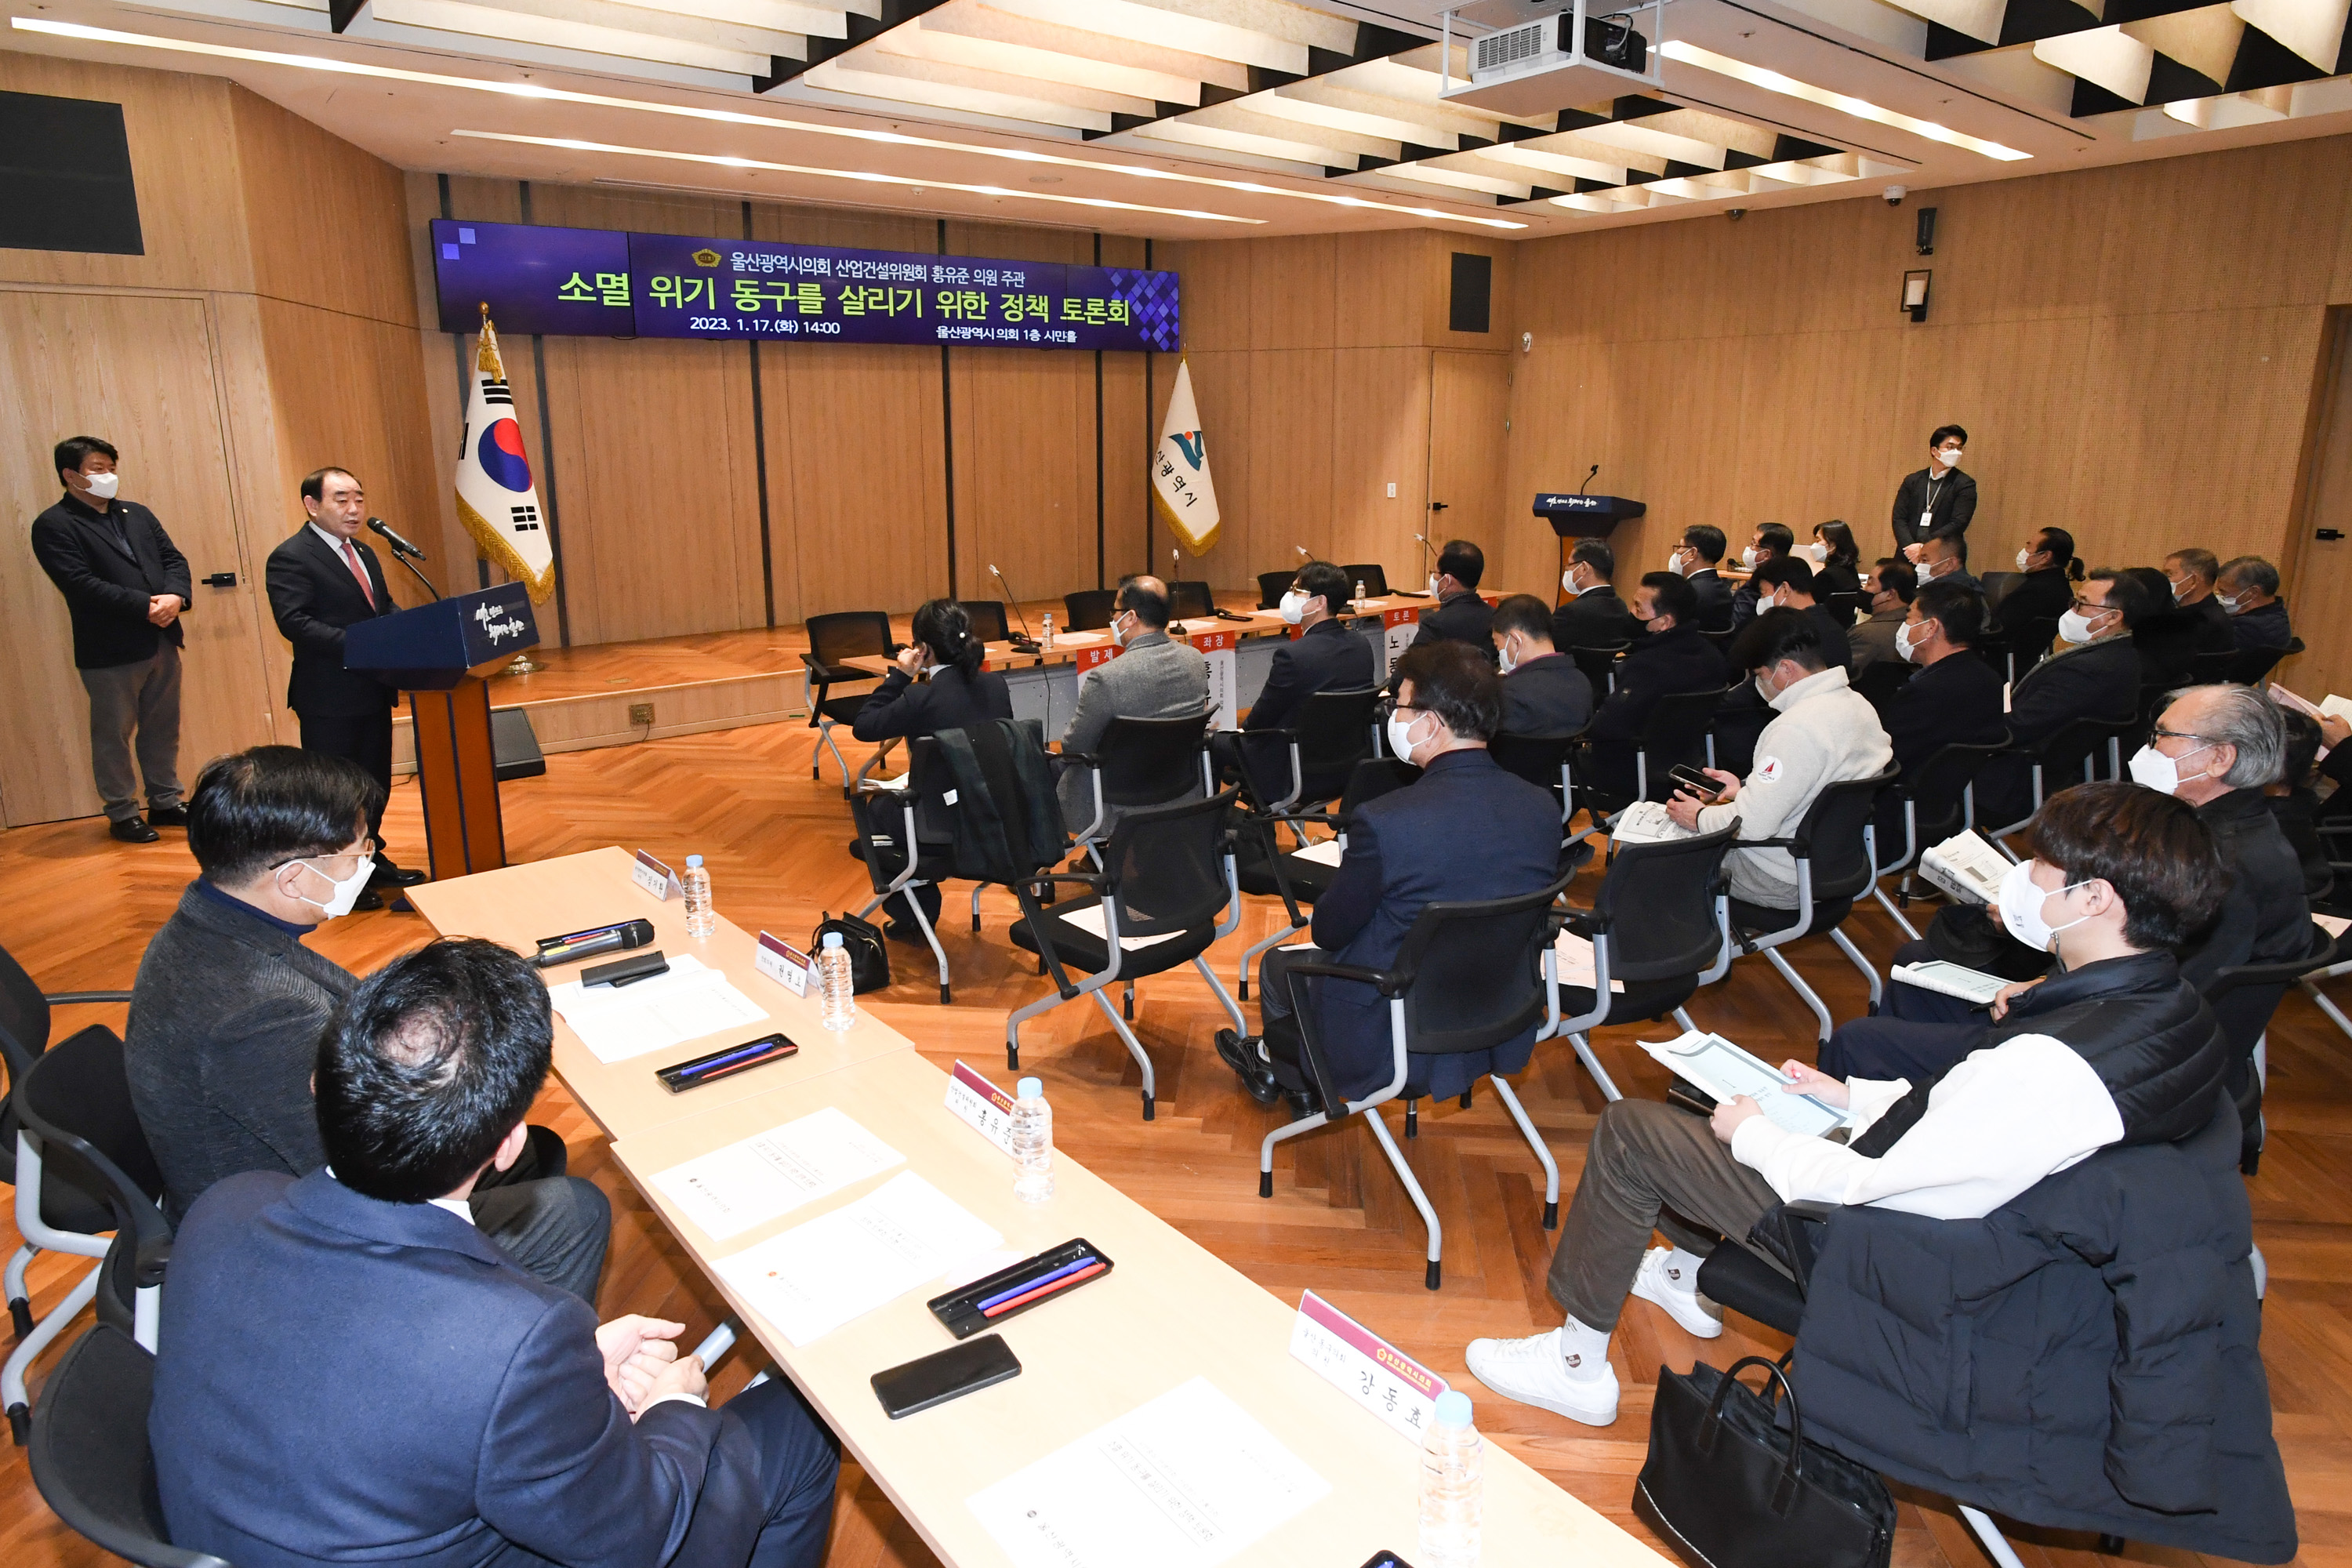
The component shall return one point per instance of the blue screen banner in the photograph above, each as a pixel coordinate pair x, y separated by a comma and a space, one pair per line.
601, 283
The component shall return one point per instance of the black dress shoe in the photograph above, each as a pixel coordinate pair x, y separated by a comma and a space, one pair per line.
387, 875
369, 898
906, 932
133, 830
1240, 1053
1303, 1104
167, 816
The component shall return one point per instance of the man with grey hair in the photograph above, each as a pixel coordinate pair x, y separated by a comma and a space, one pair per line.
2249, 589
1154, 677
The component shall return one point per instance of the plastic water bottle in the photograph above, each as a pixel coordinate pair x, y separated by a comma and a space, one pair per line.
1453, 1486
701, 920
836, 990
1049, 631
1359, 594
1032, 1142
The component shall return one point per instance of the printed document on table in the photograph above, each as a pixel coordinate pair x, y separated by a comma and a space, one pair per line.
1188, 1481
730, 1190
617, 1022
1727, 1072
814, 1277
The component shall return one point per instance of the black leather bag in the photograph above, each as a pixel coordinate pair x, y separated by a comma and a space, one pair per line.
870, 959
1727, 1487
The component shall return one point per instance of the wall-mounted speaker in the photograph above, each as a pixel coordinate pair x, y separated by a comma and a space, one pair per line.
1470, 303
1926, 231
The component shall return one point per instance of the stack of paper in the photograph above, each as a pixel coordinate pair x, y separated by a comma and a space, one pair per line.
730, 1190
1188, 1481
617, 1022
1646, 822
1727, 1072
814, 1277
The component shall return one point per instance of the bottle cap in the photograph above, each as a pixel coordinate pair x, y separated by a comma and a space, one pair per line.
692, 861
1030, 1088
831, 940
1454, 1409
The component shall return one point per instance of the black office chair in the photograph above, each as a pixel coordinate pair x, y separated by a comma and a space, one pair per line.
1300, 875
90, 1455
1165, 894
2254, 663
1374, 581
1831, 851
1190, 601
1469, 977
1883, 680
1272, 587
58, 1208
1846, 604
2014, 649
1677, 731
834, 640
1656, 927
1309, 760
1089, 610
76, 1103
2243, 997
988, 621
1937, 803
1546, 762
1721, 640
2213, 669
1140, 762
2070, 756
1599, 663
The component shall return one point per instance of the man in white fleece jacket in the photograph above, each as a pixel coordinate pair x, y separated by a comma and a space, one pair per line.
2122, 1051
1825, 733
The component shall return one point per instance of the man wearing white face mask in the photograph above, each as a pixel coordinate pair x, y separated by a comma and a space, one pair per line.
126, 587
229, 1005
1696, 560
1939, 500
1594, 616
2096, 675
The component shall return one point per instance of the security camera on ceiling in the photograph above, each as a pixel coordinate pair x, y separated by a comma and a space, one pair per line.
1894, 195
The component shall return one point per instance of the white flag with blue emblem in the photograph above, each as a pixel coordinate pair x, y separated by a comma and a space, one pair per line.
496, 501
1182, 490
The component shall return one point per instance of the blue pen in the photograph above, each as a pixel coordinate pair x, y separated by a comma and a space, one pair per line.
757, 1048
1028, 1285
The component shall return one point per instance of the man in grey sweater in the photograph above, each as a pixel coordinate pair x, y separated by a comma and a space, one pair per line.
1154, 677
228, 1008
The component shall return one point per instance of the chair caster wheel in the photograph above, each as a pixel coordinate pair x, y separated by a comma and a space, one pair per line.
1151, 1109
20, 1317
1432, 1279
20, 1423
1265, 1183
1551, 1215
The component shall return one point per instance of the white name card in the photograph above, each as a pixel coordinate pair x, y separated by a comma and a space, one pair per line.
1217, 651
1365, 1367
783, 962
983, 1106
654, 877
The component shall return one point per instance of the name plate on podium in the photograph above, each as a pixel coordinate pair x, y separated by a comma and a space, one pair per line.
1577, 516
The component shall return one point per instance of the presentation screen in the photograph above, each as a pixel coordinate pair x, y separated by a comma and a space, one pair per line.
592, 283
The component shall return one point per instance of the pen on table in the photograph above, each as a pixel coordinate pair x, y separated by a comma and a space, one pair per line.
755, 1048
1059, 1282
1028, 1285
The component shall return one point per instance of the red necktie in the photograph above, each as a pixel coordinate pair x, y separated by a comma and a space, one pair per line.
359, 572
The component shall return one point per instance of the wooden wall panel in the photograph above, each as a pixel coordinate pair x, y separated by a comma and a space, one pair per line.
320, 212
1379, 437
2319, 584
1024, 472
184, 162
1289, 481
1470, 398
854, 443
1294, 292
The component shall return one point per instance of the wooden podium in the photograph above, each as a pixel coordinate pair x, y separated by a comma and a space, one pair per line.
438, 654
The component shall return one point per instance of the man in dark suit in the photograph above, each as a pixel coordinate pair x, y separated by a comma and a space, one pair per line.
1670, 661
1323, 656
321, 581
2250, 587
126, 587
2191, 574
1887, 592
2098, 676
1953, 701
1937, 501
1786, 581
1465, 830
434, 1404
1461, 614
1594, 616
2043, 588
1544, 693
1695, 559
1773, 541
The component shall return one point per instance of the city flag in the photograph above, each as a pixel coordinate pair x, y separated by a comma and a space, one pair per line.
496, 498
1182, 490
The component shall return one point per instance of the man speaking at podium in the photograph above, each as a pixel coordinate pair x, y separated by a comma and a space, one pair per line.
321, 581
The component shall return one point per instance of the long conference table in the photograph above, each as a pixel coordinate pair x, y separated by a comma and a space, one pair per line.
1169, 1312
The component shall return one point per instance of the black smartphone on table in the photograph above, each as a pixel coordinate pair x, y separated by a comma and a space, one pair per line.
1698, 782
946, 1375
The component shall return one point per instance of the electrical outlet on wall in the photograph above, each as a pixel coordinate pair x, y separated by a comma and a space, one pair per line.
1391, 489
641, 713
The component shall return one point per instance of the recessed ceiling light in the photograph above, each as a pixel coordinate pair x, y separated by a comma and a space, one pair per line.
727, 117
1860, 108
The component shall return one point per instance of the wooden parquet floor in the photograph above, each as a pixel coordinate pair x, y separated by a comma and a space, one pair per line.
77, 910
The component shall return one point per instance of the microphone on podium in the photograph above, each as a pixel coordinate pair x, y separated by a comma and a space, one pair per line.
1588, 479
384, 529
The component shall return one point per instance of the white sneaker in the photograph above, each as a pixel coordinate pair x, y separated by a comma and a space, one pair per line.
1534, 1371
1661, 1282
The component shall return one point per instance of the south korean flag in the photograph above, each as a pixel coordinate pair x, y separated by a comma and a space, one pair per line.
496, 498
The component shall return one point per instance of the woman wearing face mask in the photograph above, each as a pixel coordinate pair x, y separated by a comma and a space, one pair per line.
1836, 561
957, 693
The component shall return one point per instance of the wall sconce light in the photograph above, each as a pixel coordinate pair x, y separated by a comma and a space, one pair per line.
1915, 293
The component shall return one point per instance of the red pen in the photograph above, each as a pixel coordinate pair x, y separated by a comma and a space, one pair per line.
1047, 1288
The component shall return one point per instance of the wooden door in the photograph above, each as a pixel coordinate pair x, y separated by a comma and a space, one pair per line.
1469, 408
139, 371
2319, 590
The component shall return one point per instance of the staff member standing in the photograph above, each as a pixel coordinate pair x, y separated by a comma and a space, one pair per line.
322, 580
126, 587
1937, 501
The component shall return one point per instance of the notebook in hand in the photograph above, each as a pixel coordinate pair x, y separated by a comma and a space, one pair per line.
1966, 868
1971, 986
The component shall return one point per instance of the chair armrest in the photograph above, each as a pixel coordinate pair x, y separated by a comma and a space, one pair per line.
152, 1258
1389, 982
60, 998
1797, 847
1024, 893
1586, 923
1099, 883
